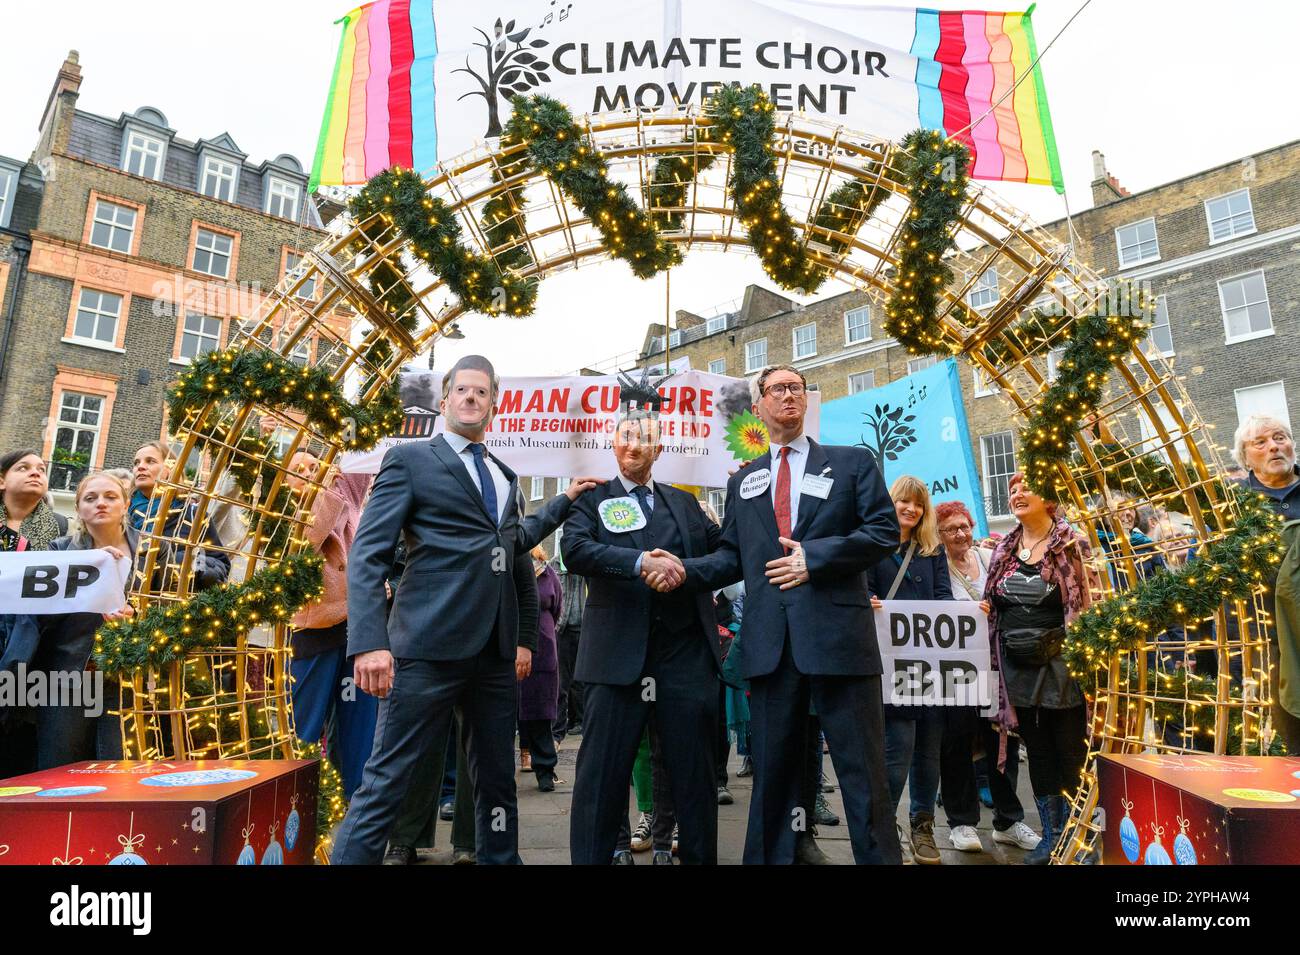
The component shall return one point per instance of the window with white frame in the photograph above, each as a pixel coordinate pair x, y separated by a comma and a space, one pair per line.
1153, 443
1230, 216
536, 488
219, 177
1160, 340
857, 325
113, 226
1269, 399
144, 155
984, 385
8, 179
805, 341
920, 364
97, 316
718, 501
862, 381
985, 290
999, 458
292, 261
1054, 362
212, 253
674, 339
301, 353
76, 436
200, 335
1246, 314
755, 355
718, 366
1137, 243
282, 198
718, 323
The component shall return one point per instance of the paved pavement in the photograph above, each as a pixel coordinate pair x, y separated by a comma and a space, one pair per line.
544, 824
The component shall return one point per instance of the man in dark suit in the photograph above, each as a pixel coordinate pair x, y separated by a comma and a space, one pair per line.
463, 621
803, 533
643, 655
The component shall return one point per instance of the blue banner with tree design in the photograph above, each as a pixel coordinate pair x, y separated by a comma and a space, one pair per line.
915, 425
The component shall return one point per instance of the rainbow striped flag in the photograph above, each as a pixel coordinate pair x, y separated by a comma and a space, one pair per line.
416, 81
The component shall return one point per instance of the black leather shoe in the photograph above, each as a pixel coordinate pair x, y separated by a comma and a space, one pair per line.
574, 730
807, 852
662, 857
746, 767
399, 855
724, 796
447, 810
464, 857
546, 783
624, 857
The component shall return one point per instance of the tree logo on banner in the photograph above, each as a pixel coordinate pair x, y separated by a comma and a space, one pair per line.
509, 70
893, 433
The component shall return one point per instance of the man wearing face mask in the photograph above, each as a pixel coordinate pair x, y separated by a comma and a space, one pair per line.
804, 523
463, 622
644, 656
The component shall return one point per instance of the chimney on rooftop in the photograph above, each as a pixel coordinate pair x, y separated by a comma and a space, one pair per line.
56, 121
1105, 187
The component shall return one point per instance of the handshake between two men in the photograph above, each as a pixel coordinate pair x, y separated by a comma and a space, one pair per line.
664, 572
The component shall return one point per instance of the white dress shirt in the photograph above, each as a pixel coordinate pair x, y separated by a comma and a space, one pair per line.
460, 444
798, 461
630, 485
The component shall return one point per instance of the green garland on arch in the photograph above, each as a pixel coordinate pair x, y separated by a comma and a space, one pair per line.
1229, 569
743, 116
1094, 343
262, 376
213, 618
848, 207
399, 198
555, 146
934, 170
671, 178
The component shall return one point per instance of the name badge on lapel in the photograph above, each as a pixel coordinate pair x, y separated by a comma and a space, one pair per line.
816, 486
755, 484
620, 515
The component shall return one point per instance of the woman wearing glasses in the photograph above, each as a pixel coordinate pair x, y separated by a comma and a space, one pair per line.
968, 566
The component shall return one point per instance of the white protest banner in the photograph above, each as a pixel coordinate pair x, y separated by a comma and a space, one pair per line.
62, 581
562, 427
936, 653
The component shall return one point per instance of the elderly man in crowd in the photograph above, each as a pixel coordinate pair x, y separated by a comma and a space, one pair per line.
1264, 446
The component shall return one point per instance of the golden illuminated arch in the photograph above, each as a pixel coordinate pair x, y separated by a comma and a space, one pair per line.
231, 702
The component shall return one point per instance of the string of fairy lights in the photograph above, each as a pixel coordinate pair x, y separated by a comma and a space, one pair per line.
395, 207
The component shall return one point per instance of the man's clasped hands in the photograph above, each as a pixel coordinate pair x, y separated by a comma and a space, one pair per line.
663, 571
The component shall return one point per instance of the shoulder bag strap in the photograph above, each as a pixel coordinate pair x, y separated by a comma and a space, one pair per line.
902, 569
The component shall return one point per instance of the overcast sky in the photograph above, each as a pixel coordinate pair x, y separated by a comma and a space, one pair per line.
1163, 87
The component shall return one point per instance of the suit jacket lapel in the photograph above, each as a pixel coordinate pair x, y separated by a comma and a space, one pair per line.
665, 498
442, 450
762, 503
511, 512
809, 503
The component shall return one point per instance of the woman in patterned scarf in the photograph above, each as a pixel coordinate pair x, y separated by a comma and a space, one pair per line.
1037, 584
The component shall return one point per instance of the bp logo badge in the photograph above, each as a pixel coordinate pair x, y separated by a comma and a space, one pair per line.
622, 514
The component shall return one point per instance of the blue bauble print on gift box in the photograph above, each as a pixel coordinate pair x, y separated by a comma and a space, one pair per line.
67, 791
1128, 839
247, 856
291, 827
1184, 851
200, 777
127, 858
274, 855
1156, 853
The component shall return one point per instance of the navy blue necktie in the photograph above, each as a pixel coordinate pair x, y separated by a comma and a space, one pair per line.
486, 484
645, 498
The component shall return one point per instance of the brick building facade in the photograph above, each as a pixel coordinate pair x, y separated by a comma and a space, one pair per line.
145, 251
1220, 250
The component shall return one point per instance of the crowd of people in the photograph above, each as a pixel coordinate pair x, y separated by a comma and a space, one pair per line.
448, 647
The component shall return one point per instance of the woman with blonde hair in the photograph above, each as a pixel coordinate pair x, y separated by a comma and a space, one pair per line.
539, 692
914, 734
62, 643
